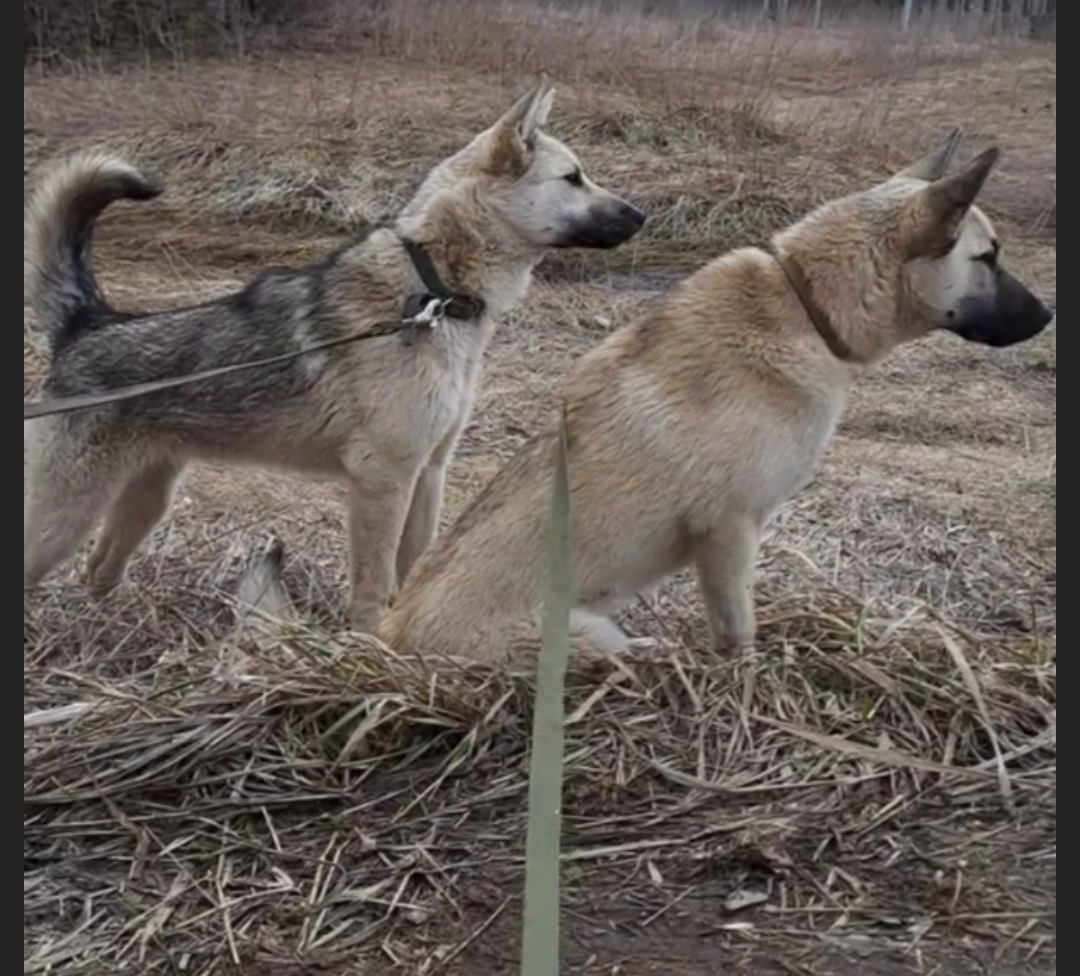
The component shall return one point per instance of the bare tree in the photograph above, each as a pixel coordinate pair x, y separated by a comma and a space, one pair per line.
905, 15
996, 11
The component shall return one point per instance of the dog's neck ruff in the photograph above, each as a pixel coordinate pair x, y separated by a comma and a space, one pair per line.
817, 315
462, 305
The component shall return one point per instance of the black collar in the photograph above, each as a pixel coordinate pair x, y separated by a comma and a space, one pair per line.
464, 306
817, 315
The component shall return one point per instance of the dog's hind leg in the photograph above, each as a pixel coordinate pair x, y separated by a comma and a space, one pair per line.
66, 495
725, 561
139, 507
598, 632
593, 637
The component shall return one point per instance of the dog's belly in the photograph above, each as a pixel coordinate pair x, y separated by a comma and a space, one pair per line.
317, 462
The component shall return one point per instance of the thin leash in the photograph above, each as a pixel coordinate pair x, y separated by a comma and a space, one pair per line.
429, 317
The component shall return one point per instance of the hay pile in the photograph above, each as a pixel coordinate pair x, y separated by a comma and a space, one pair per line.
305, 802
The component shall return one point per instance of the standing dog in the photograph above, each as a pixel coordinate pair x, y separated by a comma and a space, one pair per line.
688, 428
382, 415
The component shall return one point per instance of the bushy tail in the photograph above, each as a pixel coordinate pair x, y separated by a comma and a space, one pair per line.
58, 275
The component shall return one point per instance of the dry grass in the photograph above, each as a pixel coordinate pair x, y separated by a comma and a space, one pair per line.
322, 797
880, 778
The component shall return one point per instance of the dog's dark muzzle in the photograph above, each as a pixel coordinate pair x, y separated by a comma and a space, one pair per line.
1011, 315
605, 227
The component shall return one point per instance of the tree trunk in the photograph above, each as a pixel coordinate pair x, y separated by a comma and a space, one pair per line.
905, 15
996, 16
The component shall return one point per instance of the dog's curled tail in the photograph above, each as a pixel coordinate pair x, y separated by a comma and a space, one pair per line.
58, 277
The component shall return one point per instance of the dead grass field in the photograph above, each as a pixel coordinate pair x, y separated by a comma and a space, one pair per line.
878, 785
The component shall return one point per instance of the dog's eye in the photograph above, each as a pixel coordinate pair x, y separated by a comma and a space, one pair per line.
575, 178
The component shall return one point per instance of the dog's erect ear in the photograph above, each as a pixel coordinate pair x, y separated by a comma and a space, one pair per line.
539, 117
530, 112
514, 135
951, 197
947, 201
934, 165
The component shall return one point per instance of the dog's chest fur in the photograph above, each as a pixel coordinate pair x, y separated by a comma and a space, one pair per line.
406, 398
447, 363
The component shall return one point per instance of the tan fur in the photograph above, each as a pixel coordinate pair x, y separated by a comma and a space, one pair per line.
688, 428
381, 416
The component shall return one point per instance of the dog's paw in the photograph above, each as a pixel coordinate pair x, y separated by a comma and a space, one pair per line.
730, 647
102, 585
365, 618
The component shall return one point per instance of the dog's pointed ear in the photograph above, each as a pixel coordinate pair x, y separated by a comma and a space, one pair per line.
948, 200
529, 113
933, 166
514, 135
543, 109
951, 197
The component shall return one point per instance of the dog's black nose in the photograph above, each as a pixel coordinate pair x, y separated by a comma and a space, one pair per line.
1048, 315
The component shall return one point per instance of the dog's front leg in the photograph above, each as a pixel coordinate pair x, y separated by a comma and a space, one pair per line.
725, 560
422, 522
378, 503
